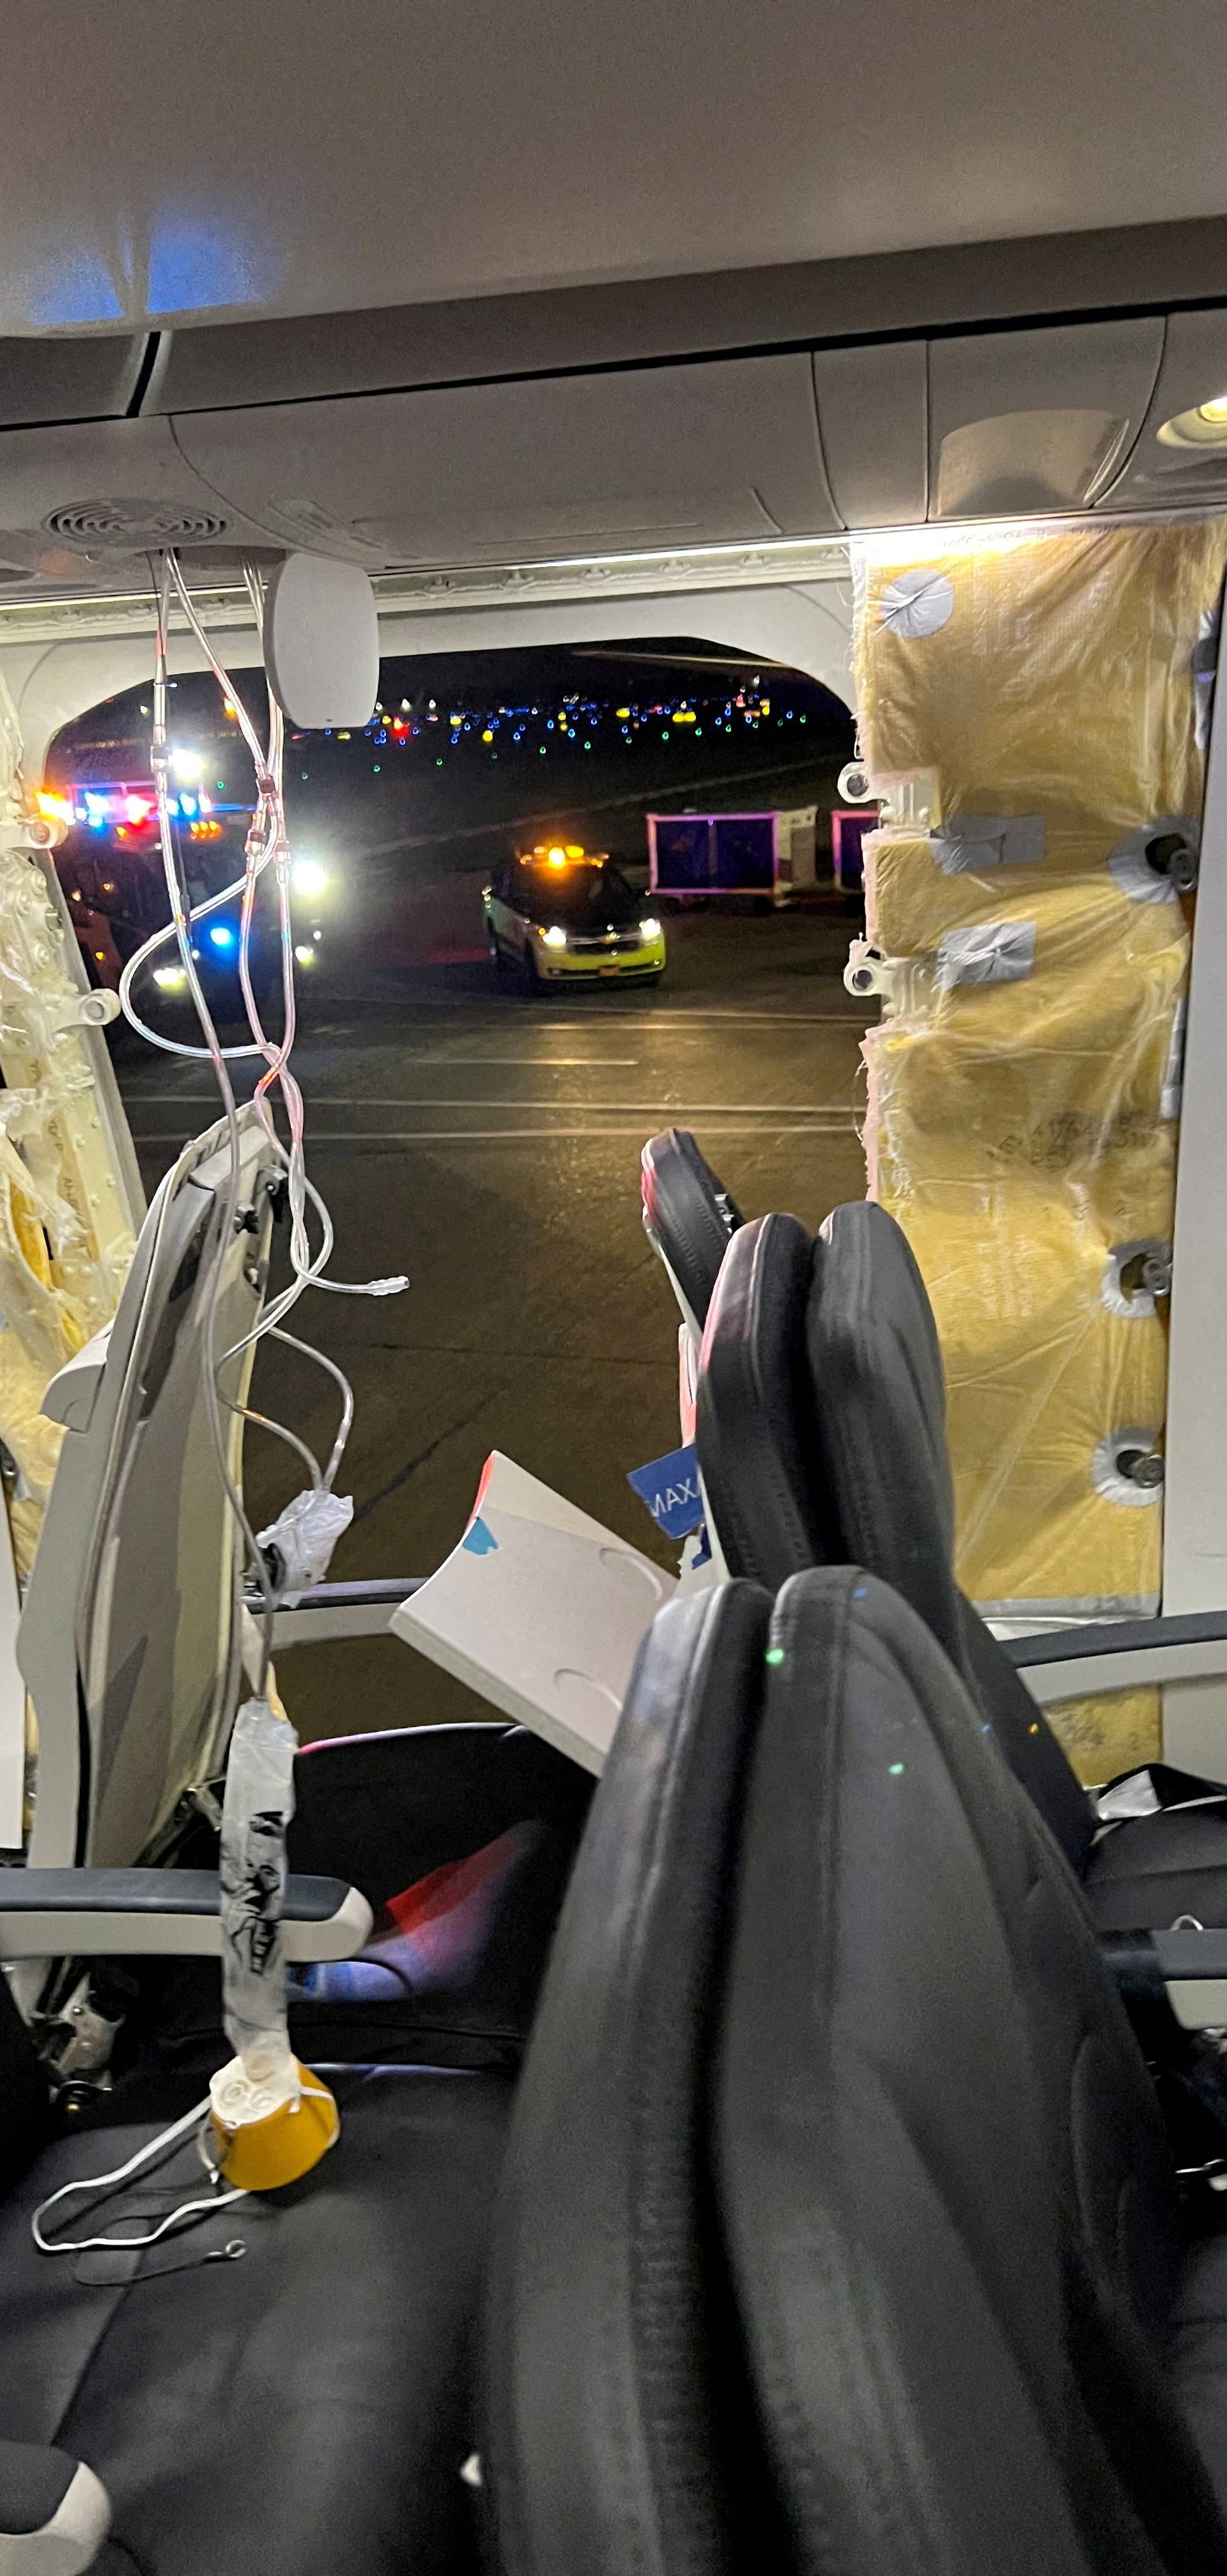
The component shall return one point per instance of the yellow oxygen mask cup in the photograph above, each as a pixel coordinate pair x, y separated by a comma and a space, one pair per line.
269, 2129
270, 2119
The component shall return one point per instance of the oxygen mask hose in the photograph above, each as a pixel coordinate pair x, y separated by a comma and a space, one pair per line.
270, 2119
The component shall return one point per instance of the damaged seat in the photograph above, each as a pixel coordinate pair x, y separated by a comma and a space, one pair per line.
132, 1642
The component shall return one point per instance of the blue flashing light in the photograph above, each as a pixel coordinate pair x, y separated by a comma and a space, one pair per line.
222, 935
187, 805
97, 822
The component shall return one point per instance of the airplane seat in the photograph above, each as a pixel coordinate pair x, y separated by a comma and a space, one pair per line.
307, 2405
132, 1642
980, 2332
462, 1843
853, 1468
688, 1216
754, 1420
615, 2432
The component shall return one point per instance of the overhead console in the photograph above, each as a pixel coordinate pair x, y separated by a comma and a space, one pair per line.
722, 452
980, 424
605, 424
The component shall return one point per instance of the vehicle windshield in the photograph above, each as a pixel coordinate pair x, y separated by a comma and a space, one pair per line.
578, 897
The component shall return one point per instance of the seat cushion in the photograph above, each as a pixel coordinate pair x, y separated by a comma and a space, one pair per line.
1141, 1875
462, 1839
1198, 2351
452, 1967
305, 2406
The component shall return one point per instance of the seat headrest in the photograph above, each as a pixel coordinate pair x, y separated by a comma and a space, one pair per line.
879, 1397
755, 1415
688, 1213
941, 2170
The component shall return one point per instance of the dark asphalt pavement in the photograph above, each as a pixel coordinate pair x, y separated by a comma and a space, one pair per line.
488, 1145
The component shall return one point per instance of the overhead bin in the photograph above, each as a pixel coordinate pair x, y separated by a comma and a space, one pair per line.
1180, 455
1031, 421
638, 458
58, 380
873, 412
1111, 415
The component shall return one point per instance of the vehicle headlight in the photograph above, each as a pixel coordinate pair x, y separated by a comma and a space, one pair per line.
554, 937
308, 877
649, 929
305, 956
170, 979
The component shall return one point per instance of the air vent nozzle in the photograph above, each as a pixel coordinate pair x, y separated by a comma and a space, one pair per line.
126, 524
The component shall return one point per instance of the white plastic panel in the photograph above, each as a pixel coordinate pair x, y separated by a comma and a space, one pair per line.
685, 455
1031, 421
183, 168
91, 492
873, 415
50, 380
1194, 370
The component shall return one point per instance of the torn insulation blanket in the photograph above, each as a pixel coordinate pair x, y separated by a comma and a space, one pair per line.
1033, 699
67, 1210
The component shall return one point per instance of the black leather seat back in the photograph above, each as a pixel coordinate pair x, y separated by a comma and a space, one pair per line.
880, 1407
944, 2183
688, 1213
878, 1397
755, 1426
23, 2093
602, 2446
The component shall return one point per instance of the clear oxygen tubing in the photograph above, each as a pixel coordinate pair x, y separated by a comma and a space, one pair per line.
267, 847
269, 844
181, 921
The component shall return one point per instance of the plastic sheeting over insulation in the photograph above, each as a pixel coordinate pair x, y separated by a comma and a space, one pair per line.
1030, 711
66, 1209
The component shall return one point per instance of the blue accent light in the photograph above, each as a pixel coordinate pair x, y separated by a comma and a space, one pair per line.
82, 291
222, 935
193, 268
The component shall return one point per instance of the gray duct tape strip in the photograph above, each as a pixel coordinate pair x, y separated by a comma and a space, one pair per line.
966, 842
990, 952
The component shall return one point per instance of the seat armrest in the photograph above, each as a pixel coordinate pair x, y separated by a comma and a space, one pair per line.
1188, 1967
331, 1611
163, 1913
1120, 1654
54, 2513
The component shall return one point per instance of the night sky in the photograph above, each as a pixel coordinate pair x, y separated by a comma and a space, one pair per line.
514, 745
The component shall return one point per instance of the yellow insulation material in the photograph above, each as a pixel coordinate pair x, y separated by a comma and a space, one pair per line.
1038, 692
1040, 674
1040, 1386
912, 899
1105, 1736
1052, 1069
